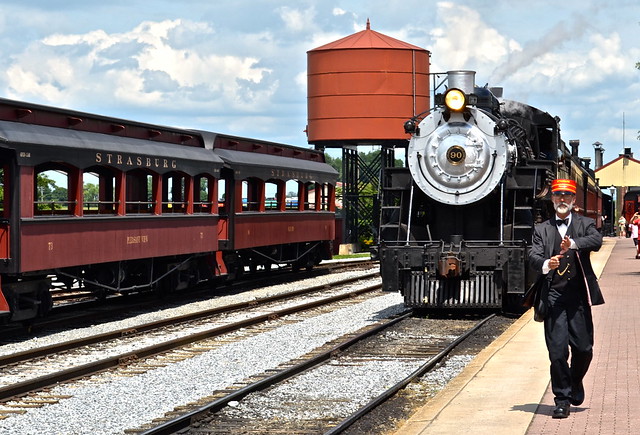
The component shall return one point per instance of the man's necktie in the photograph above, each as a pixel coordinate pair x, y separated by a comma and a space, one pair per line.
562, 221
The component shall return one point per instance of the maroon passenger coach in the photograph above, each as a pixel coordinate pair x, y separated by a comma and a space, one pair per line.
147, 207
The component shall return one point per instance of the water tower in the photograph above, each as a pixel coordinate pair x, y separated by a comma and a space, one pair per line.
361, 90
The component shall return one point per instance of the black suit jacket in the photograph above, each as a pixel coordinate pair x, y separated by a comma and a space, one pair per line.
587, 238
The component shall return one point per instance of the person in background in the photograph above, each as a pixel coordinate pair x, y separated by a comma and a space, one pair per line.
622, 224
561, 252
633, 227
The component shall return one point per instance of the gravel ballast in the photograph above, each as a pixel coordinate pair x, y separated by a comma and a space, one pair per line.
108, 404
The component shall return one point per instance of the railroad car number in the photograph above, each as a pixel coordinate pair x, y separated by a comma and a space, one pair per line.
133, 240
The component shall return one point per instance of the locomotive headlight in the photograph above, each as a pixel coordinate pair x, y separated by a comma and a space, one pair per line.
455, 100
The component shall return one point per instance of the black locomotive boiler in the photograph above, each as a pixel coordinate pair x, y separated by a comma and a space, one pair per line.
456, 221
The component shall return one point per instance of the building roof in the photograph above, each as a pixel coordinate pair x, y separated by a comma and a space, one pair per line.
624, 171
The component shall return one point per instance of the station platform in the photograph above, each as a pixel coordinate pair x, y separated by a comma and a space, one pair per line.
506, 388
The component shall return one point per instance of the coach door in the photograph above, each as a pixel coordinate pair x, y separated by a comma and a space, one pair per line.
5, 203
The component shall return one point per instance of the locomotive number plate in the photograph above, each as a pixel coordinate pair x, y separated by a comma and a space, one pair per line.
456, 155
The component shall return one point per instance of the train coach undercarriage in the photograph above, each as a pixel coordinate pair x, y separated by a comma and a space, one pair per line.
296, 255
28, 296
457, 275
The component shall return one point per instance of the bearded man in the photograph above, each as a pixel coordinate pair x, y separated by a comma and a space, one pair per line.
561, 251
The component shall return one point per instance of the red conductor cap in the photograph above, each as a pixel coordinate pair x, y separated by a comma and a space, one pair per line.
563, 186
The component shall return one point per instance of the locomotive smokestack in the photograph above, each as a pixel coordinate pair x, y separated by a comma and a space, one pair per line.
463, 80
597, 146
575, 144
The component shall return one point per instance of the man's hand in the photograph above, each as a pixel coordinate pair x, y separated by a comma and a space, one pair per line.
554, 262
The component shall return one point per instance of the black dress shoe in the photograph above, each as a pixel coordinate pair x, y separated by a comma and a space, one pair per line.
577, 394
561, 411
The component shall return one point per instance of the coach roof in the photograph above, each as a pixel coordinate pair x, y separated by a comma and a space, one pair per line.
266, 166
35, 144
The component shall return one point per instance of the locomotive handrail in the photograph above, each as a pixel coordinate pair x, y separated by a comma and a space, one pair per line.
410, 214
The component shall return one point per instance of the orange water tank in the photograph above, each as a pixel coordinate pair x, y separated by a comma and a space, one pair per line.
362, 88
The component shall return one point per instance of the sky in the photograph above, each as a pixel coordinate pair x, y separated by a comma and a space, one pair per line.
239, 66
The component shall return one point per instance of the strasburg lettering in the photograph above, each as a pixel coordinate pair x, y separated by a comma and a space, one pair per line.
135, 161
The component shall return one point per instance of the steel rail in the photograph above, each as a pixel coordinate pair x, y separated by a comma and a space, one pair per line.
21, 388
185, 420
427, 366
145, 327
6, 331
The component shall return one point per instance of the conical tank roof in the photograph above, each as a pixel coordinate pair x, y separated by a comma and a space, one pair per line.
368, 39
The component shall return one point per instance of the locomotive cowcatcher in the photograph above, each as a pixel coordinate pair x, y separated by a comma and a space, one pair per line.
456, 221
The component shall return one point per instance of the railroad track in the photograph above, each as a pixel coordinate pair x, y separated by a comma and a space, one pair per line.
72, 307
282, 402
206, 324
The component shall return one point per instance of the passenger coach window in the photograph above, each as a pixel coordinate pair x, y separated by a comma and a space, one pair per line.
251, 194
326, 197
99, 191
51, 194
291, 201
140, 188
222, 196
174, 198
203, 194
271, 195
5, 190
310, 193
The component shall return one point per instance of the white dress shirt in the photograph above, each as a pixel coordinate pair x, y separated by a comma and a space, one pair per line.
562, 229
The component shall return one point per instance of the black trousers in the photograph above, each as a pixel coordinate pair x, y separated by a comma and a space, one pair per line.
568, 325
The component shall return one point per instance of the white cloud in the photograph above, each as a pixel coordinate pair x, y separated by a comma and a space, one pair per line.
298, 20
607, 55
143, 66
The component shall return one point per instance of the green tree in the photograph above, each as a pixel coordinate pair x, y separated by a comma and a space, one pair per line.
335, 163
45, 187
91, 193
59, 194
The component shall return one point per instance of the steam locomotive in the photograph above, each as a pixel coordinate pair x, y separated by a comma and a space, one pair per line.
456, 221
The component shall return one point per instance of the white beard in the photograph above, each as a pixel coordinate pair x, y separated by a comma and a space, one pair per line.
563, 207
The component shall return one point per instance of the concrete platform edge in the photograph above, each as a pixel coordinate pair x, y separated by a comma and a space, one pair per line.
429, 419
